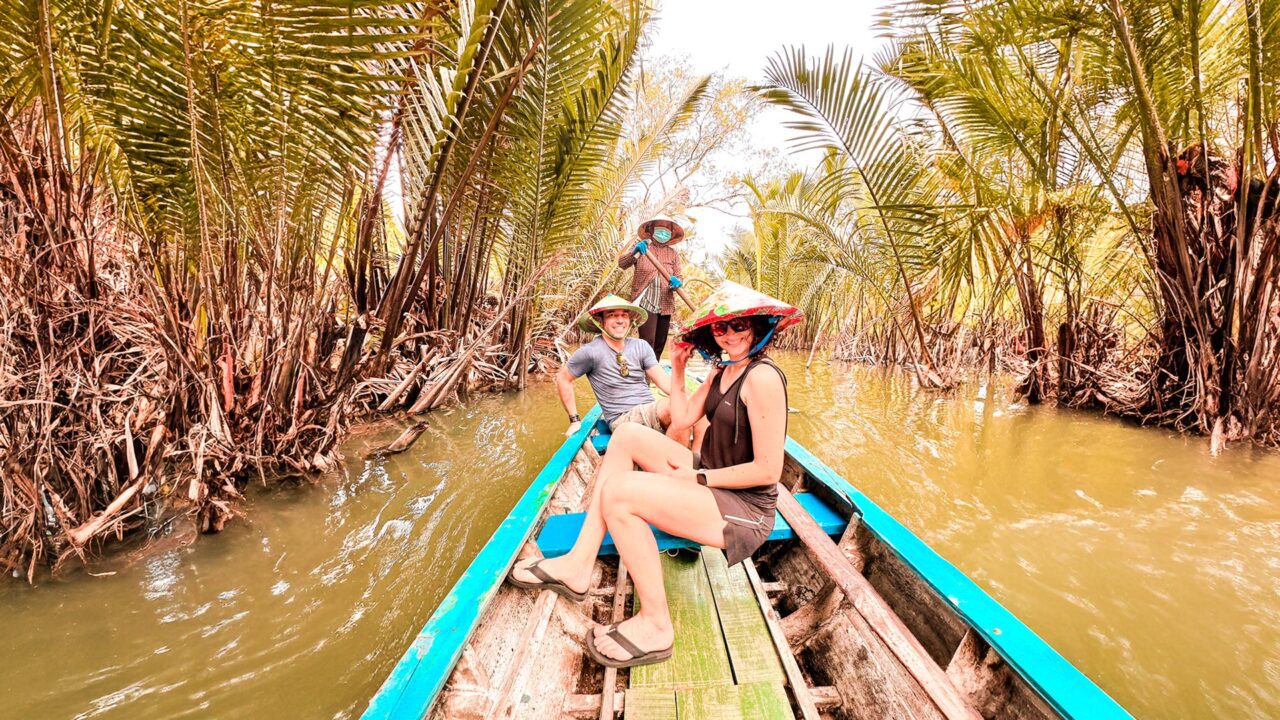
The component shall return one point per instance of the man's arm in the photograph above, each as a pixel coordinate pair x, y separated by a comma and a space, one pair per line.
659, 377
564, 387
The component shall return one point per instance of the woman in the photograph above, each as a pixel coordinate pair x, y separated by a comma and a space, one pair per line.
651, 289
724, 498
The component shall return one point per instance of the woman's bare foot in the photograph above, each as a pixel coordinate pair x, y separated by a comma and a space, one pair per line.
648, 634
558, 568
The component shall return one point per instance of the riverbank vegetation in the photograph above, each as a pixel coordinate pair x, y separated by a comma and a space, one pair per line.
231, 228
1082, 192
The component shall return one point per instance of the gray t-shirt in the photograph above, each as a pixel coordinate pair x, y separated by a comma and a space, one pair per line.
599, 363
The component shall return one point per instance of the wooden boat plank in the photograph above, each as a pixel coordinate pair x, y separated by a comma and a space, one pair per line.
847, 654
421, 672
1061, 684
496, 644
886, 625
417, 680
699, 657
734, 702
511, 689
796, 679
751, 650
616, 611
649, 704
560, 531
988, 680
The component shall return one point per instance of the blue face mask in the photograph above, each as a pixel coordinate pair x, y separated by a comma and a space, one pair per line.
662, 235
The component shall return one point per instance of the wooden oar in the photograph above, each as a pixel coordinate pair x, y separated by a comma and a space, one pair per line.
663, 271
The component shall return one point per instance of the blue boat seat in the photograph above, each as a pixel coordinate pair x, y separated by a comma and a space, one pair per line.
600, 440
560, 531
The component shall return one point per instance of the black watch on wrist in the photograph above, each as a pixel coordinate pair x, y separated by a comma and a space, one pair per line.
702, 478
574, 419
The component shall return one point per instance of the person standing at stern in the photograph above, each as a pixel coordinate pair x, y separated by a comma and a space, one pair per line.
652, 289
725, 497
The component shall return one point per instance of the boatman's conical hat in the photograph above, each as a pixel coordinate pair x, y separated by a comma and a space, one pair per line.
645, 231
590, 322
732, 300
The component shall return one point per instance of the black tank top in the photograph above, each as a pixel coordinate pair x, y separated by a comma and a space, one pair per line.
728, 440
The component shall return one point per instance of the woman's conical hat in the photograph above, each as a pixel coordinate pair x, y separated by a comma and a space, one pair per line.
732, 300
589, 323
645, 231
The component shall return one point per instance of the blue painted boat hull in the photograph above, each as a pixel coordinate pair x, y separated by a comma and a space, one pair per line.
479, 604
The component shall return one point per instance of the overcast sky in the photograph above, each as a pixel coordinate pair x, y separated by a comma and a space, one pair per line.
737, 37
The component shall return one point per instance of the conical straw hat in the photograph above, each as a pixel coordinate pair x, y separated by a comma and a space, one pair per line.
731, 300
589, 323
645, 231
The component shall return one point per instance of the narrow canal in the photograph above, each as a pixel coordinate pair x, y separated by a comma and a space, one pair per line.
1151, 566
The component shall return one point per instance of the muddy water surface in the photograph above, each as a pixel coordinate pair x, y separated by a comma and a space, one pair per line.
1151, 566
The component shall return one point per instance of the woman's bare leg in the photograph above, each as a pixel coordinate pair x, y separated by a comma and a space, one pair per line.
630, 504
631, 445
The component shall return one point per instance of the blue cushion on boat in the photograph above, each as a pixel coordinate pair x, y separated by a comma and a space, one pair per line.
560, 531
600, 442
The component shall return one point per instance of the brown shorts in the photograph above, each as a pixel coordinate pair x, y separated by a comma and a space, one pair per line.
646, 414
746, 526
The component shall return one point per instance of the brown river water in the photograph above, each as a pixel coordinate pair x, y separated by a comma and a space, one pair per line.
1150, 565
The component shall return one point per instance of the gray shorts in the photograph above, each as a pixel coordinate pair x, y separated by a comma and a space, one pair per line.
646, 414
746, 526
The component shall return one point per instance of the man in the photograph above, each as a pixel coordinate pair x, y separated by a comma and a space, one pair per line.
616, 366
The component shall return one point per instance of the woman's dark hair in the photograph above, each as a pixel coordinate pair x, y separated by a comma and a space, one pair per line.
703, 340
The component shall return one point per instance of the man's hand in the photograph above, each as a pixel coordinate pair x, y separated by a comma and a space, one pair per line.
676, 283
642, 247
573, 428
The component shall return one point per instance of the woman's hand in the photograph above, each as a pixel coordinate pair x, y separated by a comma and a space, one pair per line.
680, 354
680, 471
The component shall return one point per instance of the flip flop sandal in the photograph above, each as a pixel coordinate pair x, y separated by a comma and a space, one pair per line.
638, 656
547, 583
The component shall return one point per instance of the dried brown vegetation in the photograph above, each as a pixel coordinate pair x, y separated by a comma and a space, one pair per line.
202, 277
1081, 192
112, 417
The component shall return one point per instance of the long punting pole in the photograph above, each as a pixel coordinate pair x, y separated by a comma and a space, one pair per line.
663, 271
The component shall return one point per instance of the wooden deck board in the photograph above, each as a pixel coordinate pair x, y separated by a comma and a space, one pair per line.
418, 677
751, 650
649, 704
699, 657
753, 701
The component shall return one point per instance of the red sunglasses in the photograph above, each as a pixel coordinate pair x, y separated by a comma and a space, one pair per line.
723, 327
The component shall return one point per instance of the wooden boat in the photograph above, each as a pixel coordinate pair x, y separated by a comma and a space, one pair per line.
844, 613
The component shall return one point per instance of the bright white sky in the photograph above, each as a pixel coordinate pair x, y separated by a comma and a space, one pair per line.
736, 37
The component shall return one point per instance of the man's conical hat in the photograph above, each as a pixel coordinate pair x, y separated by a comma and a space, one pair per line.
645, 231
732, 300
588, 322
